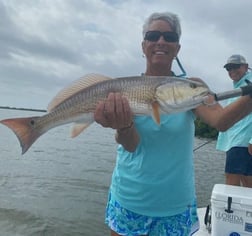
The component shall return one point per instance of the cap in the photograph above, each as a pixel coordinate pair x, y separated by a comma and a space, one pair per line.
236, 59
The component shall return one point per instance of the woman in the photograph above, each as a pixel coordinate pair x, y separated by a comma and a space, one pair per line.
152, 190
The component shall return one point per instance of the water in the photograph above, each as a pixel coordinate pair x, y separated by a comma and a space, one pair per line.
59, 187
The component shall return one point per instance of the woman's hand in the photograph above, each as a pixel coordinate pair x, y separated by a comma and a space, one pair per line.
114, 112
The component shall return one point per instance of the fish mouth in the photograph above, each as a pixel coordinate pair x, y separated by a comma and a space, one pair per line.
203, 95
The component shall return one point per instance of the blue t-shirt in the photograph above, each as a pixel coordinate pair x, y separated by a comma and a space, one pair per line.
240, 134
158, 178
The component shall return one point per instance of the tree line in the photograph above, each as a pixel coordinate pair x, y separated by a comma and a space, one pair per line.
203, 130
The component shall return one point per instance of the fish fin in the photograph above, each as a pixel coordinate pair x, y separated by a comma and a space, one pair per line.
75, 87
155, 112
23, 128
78, 128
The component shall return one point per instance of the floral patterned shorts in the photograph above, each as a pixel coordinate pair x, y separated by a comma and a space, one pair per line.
125, 222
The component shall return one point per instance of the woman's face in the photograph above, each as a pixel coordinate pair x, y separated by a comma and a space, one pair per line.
160, 53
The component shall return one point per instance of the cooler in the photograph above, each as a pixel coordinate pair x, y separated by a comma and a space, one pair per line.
231, 210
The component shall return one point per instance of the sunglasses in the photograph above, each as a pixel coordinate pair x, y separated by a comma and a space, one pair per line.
230, 67
154, 36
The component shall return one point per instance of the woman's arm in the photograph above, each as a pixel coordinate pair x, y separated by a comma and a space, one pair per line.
223, 118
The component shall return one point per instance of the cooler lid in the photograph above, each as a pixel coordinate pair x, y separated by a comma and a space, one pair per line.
240, 195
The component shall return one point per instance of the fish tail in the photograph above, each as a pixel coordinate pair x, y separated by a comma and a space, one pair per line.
24, 130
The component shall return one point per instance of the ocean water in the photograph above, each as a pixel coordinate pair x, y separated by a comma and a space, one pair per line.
59, 187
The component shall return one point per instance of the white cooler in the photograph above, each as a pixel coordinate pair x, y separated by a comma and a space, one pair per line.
231, 210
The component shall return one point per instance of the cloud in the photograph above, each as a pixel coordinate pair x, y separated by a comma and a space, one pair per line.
45, 45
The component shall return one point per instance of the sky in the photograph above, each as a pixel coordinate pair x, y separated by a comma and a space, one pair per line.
47, 44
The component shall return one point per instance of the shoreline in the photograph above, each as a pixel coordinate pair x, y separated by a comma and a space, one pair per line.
22, 109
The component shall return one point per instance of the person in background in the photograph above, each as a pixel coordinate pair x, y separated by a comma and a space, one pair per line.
152, 190
237, 141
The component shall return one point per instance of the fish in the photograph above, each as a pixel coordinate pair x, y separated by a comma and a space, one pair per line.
76, 103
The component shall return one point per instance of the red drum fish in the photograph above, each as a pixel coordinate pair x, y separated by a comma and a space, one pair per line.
147, 95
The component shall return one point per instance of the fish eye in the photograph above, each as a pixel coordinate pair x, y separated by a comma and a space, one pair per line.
193, 85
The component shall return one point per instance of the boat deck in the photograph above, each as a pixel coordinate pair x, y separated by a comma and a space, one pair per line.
202, 231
